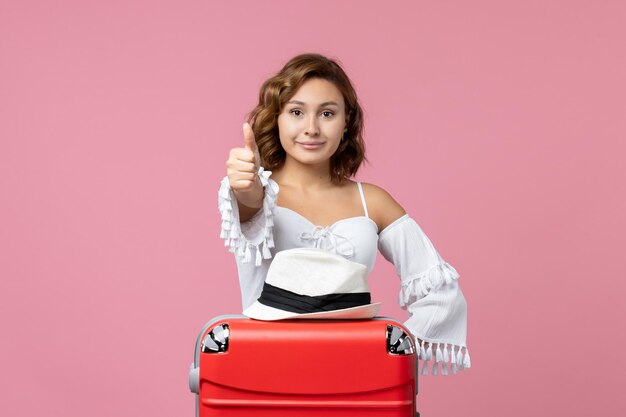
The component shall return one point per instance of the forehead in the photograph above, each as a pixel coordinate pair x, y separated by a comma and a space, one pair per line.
317, 91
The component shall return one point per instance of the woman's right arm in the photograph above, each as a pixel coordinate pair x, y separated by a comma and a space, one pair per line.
246, 199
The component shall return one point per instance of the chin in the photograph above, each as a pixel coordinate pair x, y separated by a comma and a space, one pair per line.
312, 161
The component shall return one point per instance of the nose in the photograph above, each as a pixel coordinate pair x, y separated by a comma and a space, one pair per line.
312, 128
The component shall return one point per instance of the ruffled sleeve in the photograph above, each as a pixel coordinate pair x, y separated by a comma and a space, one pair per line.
430, 292
253, 237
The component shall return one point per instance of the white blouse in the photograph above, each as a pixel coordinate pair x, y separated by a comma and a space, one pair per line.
429, 285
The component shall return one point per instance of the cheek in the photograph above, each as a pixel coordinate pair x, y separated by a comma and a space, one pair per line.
283, 140
336, 129
284, 126
283, 133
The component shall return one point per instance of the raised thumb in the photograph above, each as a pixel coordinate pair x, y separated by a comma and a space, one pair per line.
248, 137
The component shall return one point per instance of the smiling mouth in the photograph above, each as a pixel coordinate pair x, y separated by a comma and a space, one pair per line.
311, 145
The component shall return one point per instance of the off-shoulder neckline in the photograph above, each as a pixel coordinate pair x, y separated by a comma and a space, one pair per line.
393, 224
335, 223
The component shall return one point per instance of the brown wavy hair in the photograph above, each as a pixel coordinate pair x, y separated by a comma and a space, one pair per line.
278, 89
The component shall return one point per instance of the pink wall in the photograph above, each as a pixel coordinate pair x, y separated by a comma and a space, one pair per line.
497, 125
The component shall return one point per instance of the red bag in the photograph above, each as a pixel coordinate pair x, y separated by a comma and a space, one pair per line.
245, 367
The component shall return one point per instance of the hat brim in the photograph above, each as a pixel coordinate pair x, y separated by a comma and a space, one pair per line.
260, 311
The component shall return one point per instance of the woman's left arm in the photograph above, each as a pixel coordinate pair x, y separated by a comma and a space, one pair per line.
430, 291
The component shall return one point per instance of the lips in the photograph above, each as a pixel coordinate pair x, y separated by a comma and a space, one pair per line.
310, 145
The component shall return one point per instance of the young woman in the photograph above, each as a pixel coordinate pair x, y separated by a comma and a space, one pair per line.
304, 140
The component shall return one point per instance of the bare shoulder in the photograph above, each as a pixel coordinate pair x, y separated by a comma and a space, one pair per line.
382, 207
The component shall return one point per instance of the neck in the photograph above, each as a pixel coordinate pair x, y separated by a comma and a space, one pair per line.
303, 176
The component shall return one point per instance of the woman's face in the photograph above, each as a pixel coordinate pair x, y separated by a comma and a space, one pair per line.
312, 122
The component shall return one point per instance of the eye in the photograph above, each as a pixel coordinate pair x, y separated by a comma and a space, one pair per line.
295, 112
328, 113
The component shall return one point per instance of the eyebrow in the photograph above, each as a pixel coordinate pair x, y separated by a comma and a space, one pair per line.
326, 103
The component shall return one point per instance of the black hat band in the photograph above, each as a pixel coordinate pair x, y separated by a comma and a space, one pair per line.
296, 303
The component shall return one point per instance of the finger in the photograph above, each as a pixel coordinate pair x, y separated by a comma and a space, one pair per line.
248, 137
241, 166
241, 154
241, 184
241, 176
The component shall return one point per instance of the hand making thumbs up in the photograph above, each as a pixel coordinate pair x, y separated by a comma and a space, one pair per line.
241, 169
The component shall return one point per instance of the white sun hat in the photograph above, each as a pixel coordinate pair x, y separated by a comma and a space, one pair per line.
312, 283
